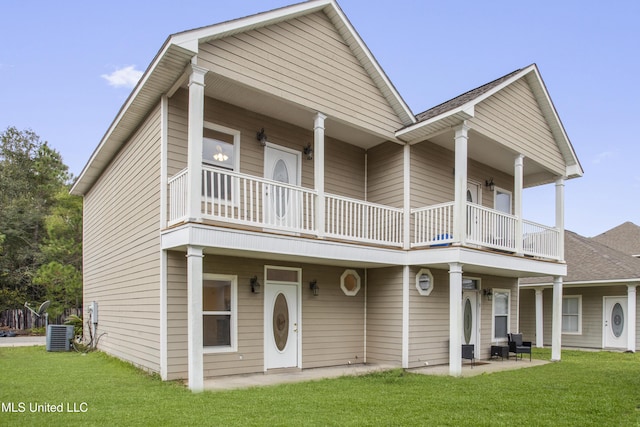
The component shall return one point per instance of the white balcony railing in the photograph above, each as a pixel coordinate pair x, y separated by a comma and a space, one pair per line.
243, 199
433, 225
363, 221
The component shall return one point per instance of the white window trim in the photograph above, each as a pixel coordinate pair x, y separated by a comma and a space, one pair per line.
234, 314
236, 141
493, 315
579, 331
497, 190
428, 273
346, 291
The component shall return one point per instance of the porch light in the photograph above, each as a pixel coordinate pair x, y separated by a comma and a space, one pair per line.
262, 137
255, 285
488, 293
313, 285
489, 183
308, 151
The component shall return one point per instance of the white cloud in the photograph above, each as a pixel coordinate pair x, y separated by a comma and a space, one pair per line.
602, 157
123, 77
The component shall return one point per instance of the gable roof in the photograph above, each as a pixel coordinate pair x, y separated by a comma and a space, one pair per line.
590, 262
453, 112
624, 238
167, 71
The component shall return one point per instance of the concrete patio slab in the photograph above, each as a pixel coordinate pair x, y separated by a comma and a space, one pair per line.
22, 341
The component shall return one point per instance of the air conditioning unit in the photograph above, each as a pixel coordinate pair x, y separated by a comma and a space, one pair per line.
59, 337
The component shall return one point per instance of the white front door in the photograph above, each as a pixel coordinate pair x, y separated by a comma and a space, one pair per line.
470, 324
282, 204
615, 322
281, 325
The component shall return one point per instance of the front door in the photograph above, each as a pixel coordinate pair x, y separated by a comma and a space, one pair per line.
615, 322
470, 318
282, 204
281, 325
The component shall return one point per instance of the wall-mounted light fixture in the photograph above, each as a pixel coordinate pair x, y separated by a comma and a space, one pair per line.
313, 285
308, 151
489, 183
262, 137
488, 293
255, 285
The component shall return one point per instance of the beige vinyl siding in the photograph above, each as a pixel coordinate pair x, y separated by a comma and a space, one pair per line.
304, 61
429, 321
527, 307
344, 163
513, 117
384, 316
332, 322
122, 249
385, 174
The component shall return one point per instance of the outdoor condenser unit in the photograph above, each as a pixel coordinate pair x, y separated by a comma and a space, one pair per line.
59, 337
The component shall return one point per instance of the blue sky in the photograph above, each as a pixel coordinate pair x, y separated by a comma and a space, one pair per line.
66, 69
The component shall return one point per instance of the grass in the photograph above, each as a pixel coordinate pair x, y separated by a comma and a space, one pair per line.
585, 389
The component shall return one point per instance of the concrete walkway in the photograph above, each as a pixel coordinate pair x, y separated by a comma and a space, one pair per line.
22, 340
291, 376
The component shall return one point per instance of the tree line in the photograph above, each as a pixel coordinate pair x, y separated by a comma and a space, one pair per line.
40, 225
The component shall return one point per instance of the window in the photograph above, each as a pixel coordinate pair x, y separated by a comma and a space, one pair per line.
502, 200
220, 148
572, 314
219, 309
501, 298
350, 282
424, 282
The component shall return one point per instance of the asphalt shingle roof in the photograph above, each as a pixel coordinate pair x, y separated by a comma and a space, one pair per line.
625, 238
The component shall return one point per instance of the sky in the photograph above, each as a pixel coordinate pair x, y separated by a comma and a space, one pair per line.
67, 66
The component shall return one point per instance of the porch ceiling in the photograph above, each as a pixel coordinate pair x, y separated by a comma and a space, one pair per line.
253, 99
489, 152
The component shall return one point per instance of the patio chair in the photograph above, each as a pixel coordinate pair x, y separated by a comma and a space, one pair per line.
519, 347
468, 352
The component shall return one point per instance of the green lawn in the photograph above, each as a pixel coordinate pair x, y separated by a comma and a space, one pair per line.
586, 388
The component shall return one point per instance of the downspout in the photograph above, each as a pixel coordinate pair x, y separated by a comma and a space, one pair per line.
365, 316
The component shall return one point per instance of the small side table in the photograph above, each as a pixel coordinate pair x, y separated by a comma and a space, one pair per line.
500, 351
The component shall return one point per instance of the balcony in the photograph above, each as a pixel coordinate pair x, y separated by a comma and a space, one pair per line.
234, 198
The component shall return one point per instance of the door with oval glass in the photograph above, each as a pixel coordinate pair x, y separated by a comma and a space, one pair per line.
282, 203
470, 318
281, 325
615, 322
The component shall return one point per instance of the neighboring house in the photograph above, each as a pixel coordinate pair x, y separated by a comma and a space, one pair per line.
265, 199
624, 238
599, 304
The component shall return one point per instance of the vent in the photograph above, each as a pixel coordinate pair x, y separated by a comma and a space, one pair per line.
59, 337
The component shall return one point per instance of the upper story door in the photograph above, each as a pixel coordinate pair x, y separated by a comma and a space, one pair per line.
282, 207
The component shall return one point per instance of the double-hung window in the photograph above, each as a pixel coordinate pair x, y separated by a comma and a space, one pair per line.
572, 314
220, 148
219, 312
501, 299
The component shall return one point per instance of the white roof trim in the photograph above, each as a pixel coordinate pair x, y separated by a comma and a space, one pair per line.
586, 283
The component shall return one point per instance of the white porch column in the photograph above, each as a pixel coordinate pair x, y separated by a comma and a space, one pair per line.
406, 223
556, 323
539, 318
405, 317
517, 199
194, 142
455, 319
194, 318
318, 171
631, 314
460, 188
560, 215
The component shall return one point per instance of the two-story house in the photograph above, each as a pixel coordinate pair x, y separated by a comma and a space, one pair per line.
265, 199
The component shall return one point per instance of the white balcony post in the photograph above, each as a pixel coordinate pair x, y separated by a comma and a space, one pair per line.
517, 199
406, 215
556, 319
460, 188
194, 318
631, 314
318, 172
455, 319
560, 215
539, 318
194, 142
